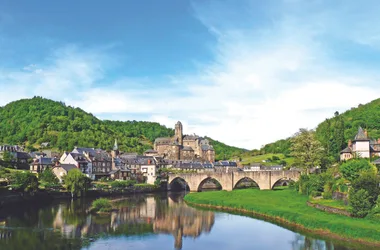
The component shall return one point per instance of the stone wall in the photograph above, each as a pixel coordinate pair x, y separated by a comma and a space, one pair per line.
328, 209
340, 196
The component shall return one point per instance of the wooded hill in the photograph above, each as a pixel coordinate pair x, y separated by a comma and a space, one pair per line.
335, 132
31, 122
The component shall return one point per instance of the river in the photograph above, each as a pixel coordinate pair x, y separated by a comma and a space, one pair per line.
160, 221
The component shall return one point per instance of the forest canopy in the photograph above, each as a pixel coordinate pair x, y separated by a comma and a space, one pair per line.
31, 122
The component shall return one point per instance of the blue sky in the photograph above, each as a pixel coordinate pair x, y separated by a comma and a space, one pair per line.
244, 72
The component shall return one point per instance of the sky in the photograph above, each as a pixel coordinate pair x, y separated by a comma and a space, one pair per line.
245, 72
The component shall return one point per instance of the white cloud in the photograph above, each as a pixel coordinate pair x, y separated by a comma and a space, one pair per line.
267, 79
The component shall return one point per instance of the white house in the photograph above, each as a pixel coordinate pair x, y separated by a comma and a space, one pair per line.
362, 146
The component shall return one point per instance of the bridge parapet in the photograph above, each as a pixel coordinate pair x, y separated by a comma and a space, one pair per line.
264, 179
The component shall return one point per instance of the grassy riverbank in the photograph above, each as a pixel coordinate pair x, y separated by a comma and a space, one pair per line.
289, 207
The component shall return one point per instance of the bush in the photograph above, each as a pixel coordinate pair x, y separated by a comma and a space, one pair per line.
374, 214
122, 184
48, 176
352, 169
101, 205
359, 201
24, 181
369, 182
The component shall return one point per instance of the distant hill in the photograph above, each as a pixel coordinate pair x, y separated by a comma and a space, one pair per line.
33, 121
335, 132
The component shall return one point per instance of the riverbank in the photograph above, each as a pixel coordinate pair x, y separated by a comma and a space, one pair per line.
10, 198
289, 208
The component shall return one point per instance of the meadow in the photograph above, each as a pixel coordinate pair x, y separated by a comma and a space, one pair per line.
290, 207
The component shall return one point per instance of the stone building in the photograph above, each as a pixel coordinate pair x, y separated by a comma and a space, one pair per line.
184, 147
362, 146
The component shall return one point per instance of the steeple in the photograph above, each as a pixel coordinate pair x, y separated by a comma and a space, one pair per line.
115, 147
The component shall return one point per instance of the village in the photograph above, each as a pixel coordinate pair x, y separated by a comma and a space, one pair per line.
180, 153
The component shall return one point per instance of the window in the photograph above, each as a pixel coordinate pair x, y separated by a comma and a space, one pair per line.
104, 164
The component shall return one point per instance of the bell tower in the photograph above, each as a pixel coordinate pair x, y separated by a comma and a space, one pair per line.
179, 132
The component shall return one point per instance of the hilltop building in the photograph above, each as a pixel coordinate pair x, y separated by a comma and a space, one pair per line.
362, 146
183, 147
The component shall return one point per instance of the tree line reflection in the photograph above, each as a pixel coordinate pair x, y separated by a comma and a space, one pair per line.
67, 225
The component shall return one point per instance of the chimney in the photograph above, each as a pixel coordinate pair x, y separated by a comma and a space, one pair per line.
349, 143
366, 133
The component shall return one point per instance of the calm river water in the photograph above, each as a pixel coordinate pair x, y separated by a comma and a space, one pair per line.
145, 222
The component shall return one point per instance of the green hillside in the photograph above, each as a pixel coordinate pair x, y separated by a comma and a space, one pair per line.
223, 151
33, 121
335, 132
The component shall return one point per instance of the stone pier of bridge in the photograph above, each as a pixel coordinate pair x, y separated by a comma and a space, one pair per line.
264, 179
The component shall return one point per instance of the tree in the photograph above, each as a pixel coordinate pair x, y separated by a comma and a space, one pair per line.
351, 169
359, 201
24, 181
306, 149
369, 182
76, 182
48, 176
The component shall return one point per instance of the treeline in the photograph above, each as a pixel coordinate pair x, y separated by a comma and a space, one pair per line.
31, 122
37, 120
225, 152
335, 132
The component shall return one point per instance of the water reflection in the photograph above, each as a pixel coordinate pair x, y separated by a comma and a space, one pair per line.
67, 225
69, 221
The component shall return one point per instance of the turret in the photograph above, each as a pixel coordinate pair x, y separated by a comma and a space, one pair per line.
179, 133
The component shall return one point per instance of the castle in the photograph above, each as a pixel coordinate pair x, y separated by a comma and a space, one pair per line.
183, 147
362, 146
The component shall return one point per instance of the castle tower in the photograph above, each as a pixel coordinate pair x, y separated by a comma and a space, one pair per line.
179, 132
176, 153
114, 154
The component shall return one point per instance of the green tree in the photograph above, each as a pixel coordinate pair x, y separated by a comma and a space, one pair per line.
306, 149
359, 201
76, 182
351, 169
24, 181
368, 181
48, 176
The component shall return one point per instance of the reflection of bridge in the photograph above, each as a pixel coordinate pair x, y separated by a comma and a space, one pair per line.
228, 181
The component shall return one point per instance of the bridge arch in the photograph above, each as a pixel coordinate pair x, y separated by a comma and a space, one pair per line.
178, 183
286, 180
245, 178
207, 179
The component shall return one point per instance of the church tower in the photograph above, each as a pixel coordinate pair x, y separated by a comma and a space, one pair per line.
179, 133
114, 154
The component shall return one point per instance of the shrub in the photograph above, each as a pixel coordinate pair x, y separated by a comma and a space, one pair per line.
352, 169
23, 181
48, 176
275, 158
369, 182
374, 214
359, 201
122, 184
101, 205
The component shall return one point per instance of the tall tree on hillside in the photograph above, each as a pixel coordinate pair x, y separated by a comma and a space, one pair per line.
338, 134
306, 149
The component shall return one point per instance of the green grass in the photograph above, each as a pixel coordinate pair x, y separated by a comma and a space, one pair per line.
248, 159
330, 203
291, 206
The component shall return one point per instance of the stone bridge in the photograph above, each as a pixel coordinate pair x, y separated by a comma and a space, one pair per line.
228, 181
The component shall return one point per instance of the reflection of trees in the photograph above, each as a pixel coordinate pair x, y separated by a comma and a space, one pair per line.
136, 215
301, 242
